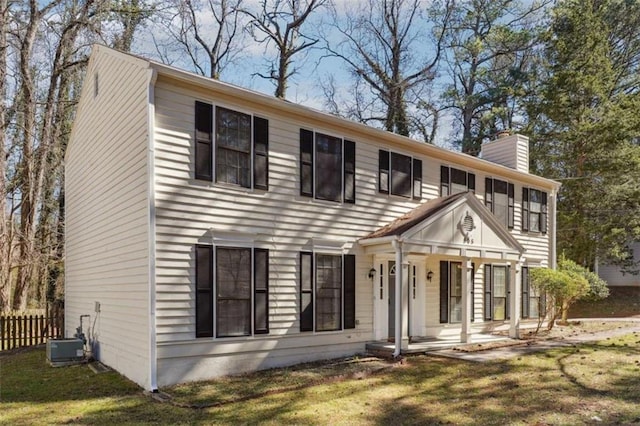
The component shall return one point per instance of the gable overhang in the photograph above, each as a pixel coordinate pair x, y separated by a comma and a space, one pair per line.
464, 228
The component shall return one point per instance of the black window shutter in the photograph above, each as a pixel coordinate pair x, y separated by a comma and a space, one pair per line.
261, 291
417, 179
444, 291
349, 172
260, 153
383, 171
349, 282
471, 182
204, 139
444, 181
511, 205
525, 209
543, 214
488, 193
306, 163
525, 292
488, 299
204, 291
306, 291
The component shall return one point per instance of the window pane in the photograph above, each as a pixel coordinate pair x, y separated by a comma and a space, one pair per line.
456, 279
328, 292
456, 309
328, 168
534, 304
501, 207
233, 273
534, 222
233, 318
233, 129
499, 281
499, 305
400, 175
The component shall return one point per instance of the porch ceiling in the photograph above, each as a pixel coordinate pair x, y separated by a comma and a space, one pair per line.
457, 225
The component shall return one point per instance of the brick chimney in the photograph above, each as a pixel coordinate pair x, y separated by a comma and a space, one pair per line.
511, 150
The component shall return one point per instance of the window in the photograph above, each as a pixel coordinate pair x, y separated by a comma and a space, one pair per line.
327, 167
534, 210
451, 292
327, 292
399, 175
496, 292
241, 150
455, 292
533, 302
453, 181
499, 198
241, 303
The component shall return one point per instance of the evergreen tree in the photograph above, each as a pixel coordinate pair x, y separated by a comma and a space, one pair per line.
585, 126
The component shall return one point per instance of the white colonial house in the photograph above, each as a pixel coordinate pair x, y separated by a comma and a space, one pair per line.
212, 230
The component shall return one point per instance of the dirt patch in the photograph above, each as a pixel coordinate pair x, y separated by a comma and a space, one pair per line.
623, 302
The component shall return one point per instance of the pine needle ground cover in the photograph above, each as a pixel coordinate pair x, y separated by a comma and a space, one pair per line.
586, 384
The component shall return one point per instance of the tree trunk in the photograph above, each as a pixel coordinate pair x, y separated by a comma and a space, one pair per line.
5, 242
28, 207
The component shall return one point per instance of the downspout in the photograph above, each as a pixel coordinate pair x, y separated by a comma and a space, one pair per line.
397, 244
552, 231
153, 355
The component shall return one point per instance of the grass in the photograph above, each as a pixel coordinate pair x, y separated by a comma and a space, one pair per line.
588, 384
623, 302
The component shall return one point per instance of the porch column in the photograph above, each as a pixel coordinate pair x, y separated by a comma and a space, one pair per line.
401, 335
405, 302
465, 331
515, 300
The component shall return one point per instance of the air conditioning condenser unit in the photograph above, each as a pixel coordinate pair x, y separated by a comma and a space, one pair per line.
64, 351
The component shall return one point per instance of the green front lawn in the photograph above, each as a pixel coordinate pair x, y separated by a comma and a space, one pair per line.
591, 384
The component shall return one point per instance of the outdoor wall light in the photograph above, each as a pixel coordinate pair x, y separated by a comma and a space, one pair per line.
429, 275
372, 273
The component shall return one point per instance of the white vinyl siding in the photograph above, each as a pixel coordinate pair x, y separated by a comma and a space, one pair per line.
107, 215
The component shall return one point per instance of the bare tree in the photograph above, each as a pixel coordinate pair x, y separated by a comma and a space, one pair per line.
5, 241
210, 28
49, 43
384, 44
280, 22
130, 14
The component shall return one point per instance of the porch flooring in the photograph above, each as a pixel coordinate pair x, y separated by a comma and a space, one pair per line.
430, 344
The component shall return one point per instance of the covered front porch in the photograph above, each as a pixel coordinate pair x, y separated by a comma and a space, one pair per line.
444, 274
421, 345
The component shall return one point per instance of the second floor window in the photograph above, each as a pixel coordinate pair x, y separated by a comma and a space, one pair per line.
453, 181
327, 167
399, 174
499, 198
241, 147
534, 210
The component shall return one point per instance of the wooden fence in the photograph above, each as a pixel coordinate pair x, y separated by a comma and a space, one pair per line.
18, 331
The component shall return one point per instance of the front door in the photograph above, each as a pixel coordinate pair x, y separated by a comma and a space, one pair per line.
391, 286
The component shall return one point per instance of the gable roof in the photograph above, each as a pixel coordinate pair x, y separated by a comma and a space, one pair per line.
418, 223
414, 217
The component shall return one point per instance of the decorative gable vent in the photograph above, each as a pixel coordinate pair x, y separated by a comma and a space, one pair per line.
508, 150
